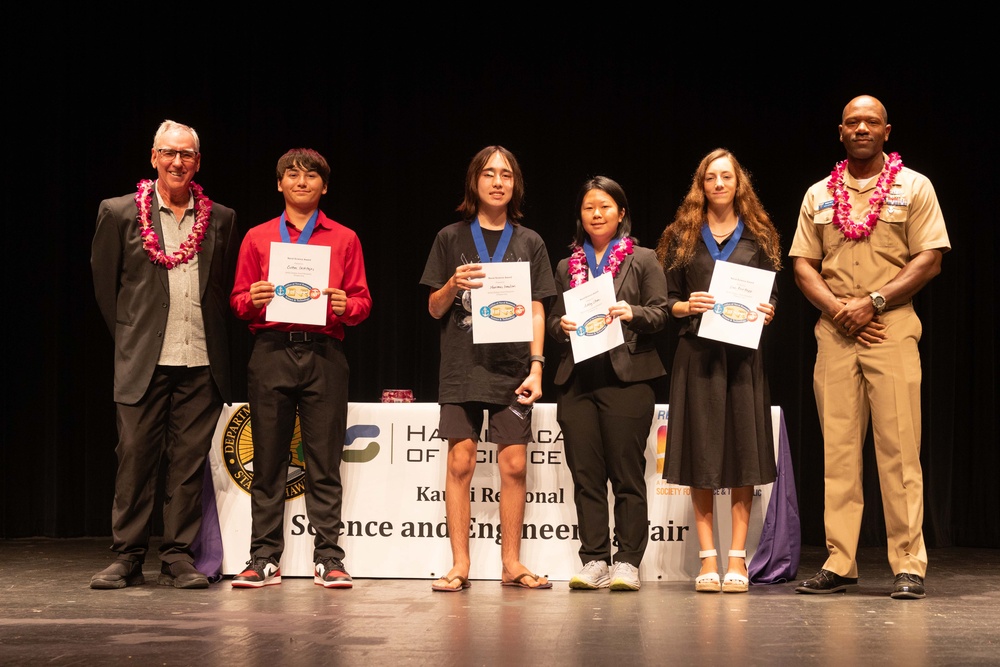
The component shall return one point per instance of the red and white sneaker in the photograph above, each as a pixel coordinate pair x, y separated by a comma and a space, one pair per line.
260, 572
330, 573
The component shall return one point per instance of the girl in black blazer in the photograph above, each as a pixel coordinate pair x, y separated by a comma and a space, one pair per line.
606, 402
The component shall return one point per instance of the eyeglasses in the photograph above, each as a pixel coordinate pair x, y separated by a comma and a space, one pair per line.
171, 153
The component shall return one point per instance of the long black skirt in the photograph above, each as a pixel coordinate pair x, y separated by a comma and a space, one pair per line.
719, 432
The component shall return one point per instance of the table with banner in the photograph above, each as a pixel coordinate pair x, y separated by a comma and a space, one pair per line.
394, 503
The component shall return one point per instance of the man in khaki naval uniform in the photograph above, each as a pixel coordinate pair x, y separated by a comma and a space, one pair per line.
869, 237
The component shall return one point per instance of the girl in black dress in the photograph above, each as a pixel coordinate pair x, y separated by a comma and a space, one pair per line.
719, 434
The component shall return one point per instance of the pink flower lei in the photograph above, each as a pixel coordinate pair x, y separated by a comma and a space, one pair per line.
578, 261
842, 205
191, 245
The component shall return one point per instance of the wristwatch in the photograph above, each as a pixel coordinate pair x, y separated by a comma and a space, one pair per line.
878, 302
537, 357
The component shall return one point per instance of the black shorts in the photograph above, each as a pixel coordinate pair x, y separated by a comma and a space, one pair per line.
464, 421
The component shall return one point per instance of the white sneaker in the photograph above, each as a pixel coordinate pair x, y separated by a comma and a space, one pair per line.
593, 575
625, 577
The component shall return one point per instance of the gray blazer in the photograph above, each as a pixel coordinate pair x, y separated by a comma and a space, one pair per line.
134, 296
642, 284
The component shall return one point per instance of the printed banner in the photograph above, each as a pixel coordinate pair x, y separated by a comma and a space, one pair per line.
394, 500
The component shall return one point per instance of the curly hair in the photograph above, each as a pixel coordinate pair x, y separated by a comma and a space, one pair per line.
679, 239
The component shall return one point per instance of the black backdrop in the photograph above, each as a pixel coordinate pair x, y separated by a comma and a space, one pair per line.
399, 124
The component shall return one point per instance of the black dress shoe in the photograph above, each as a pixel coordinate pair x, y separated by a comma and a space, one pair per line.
181, 574
908, 587
123, 572
825, 581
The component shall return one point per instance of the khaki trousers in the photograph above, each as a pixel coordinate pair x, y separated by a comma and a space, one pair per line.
852, 383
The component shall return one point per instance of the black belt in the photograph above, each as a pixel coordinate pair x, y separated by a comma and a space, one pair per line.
297, 336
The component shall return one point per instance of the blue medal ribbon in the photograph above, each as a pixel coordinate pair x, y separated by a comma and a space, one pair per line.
721, 254
501, 249
595, 268
306, 231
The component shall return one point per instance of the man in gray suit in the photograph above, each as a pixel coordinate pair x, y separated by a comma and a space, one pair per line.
163, 260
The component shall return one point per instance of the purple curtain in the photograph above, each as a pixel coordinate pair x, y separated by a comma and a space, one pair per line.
207, 546
777, 557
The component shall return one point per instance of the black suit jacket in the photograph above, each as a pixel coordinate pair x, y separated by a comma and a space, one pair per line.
134, 296
642, 284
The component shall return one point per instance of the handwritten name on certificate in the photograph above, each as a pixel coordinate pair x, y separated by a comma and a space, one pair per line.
501, 308
737, 289
588, 306
299, 273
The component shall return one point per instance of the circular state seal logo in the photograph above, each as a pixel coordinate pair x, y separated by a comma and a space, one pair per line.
237, 454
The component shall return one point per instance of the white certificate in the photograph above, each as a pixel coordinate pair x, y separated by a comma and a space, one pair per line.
501, 308
299, 273
588, 305
737, 289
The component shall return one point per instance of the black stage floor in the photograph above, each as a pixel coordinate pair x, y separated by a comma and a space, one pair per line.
50, 616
